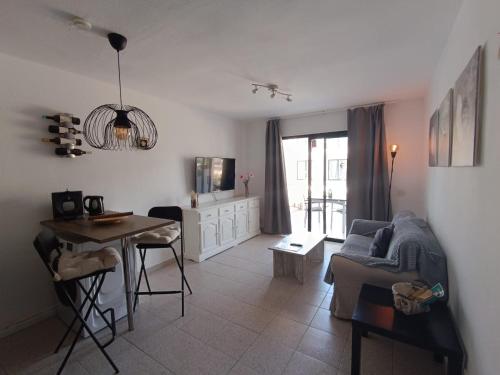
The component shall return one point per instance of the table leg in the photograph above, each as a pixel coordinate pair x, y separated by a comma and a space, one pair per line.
356, 351
455, 365
128, 287
438, 358
298, 267
288, 265
318, 253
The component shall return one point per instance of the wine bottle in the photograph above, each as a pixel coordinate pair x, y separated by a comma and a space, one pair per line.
66, 135
79, 152
63, 141
63, 151
62, 117
62, 129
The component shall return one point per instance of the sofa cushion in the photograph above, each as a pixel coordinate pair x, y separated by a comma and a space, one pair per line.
409, 234
380, 244
357, 244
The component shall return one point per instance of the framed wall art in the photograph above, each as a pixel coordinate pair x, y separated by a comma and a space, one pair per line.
445, 121
433, 138
465, 133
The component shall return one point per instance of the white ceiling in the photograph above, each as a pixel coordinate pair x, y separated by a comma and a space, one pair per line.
205, 53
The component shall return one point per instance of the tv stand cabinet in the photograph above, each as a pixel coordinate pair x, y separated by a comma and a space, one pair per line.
216, 226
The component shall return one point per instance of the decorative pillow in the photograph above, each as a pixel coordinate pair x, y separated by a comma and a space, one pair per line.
380, 244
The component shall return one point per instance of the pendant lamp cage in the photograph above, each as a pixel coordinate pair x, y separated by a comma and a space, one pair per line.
119, 126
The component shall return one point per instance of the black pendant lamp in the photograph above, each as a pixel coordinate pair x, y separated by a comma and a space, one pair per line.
118, 126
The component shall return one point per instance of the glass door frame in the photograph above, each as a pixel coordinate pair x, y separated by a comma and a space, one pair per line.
310, 138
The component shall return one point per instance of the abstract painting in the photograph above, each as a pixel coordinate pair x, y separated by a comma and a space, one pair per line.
466, 114
445, 120
433, 139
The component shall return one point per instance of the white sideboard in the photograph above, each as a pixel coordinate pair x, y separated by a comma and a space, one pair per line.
216, 226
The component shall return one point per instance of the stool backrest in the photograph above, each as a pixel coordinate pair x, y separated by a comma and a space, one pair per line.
45, 243
166, 212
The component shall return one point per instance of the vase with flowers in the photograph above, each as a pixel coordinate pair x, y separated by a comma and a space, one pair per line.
245, 178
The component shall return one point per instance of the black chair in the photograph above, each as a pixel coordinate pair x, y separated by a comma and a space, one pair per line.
315, 207
162, 238
48, 247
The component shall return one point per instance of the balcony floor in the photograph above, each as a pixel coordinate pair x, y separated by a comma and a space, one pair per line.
334, 222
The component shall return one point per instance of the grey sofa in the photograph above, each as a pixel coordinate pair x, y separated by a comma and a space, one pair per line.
414, 254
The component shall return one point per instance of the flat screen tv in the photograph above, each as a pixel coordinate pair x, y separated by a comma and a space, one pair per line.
214, 174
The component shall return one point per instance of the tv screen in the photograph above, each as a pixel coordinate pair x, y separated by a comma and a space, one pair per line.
214, 174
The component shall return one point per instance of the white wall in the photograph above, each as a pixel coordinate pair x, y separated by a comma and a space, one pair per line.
404, 121
319, 123
128, 180
463, 203
405, 126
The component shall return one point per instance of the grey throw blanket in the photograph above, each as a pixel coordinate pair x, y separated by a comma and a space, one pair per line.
413, 248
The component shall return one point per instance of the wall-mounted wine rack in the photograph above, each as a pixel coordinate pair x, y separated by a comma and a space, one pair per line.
64, 135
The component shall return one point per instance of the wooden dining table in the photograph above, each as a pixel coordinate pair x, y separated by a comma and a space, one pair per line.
83, 230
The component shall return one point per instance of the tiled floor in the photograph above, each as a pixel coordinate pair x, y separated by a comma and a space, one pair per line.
239, 321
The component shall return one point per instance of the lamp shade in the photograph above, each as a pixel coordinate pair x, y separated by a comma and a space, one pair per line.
119, 126
116, 127
394, 150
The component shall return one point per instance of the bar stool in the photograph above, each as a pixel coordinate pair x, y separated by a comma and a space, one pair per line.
162, 238
68, 269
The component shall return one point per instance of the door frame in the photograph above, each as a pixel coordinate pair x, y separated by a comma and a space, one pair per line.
310, 137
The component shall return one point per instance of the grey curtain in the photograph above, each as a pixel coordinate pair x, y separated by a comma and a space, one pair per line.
367, 171
276, 208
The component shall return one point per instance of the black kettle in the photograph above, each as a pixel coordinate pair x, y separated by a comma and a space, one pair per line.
95, 204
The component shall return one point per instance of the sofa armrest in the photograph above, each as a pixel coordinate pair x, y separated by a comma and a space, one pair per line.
367, 227
350, 276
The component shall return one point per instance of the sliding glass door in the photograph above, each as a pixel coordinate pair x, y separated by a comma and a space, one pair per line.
316, 168
335, 186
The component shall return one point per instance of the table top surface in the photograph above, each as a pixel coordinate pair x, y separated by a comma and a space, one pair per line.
84, 230
308, 241
433, 330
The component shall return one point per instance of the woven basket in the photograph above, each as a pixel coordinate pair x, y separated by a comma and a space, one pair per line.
403, 302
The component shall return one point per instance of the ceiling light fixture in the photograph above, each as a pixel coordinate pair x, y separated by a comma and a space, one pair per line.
81, 24
273, 89
118, 126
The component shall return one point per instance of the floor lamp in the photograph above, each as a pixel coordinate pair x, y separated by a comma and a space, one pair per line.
394, 151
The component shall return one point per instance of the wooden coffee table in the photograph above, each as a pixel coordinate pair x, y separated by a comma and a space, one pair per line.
288, 260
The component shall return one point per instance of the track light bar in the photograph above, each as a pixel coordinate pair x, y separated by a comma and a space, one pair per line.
273, 89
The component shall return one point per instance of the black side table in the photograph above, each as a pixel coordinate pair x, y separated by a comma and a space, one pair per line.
432, 331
